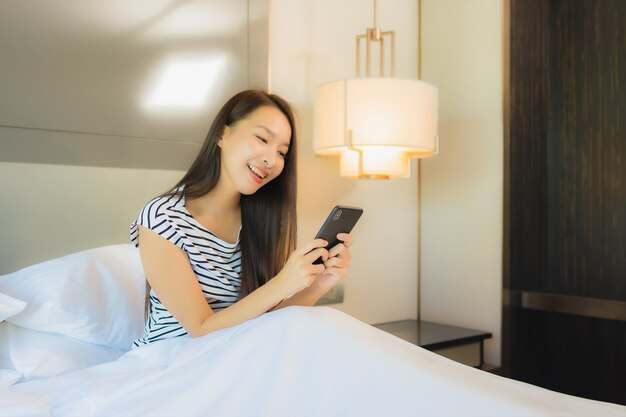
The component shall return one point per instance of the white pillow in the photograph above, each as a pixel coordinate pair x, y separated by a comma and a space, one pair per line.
31, 354
95, 295
9, 306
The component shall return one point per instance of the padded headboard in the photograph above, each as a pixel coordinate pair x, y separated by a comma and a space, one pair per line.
83, 141
98, 91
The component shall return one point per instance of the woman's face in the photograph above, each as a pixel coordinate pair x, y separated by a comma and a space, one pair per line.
254, 149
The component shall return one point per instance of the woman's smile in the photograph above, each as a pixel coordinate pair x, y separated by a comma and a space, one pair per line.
258, 174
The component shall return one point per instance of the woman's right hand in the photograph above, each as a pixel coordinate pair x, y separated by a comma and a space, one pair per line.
299, 270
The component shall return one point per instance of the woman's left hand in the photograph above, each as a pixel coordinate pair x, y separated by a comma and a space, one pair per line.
337, 264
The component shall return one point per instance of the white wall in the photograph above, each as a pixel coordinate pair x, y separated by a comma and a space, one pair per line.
312, 42
462, 186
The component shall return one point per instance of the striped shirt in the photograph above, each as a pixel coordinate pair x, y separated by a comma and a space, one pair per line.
217, 264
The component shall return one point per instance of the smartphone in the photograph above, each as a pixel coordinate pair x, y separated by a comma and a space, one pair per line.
340, 220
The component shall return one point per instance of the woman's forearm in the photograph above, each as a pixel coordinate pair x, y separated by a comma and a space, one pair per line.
298, 277
307, 297
253, 305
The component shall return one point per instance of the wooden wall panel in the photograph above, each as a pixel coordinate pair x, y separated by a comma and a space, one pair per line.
581, 356
565, 194
587, 148
527, 144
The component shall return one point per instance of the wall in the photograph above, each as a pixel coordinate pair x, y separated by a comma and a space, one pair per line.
312, 42
462, 186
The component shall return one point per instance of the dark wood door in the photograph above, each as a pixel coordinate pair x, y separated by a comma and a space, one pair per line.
564, 313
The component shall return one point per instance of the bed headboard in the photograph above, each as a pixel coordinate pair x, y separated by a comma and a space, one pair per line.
82, 143
95, 92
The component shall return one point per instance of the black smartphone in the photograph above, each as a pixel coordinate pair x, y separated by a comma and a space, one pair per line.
340, 220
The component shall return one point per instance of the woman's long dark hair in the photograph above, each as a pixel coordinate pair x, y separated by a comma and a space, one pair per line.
268, 217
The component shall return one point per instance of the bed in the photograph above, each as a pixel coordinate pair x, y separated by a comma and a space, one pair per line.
66, 326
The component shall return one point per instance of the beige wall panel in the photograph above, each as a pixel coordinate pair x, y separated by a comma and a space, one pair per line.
53, 210
462, 186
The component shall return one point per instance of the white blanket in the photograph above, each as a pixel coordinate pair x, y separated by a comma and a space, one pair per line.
297, 361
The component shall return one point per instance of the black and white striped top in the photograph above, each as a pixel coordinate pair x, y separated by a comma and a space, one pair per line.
217, 264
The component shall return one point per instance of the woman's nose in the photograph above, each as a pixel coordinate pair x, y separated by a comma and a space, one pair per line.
269, 159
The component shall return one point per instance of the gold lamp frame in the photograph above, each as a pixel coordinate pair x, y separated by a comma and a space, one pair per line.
371, 35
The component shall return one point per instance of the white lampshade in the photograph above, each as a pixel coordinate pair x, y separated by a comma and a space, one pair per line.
377, 123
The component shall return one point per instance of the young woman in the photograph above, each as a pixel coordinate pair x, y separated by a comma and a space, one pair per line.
219, 248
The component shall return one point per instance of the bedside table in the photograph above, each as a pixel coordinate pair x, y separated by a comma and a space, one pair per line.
457, 343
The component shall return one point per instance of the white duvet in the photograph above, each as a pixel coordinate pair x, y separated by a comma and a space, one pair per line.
297, 361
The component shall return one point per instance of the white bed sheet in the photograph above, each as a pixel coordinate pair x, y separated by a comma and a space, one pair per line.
297, 361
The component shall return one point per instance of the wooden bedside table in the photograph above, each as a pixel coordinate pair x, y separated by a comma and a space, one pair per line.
457, 343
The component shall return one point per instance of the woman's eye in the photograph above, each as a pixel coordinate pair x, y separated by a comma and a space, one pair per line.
261, 138
282, 154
